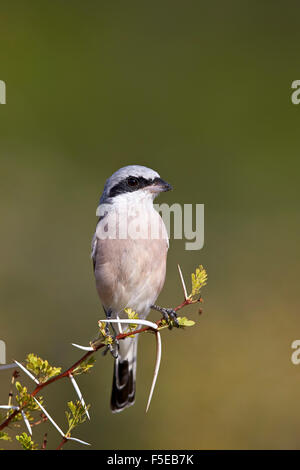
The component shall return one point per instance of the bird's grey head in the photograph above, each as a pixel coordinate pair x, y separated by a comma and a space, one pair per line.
133, 179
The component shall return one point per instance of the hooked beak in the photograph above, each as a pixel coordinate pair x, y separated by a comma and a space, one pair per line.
159, 186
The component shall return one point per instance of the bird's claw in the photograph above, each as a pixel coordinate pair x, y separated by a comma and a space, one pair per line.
112, 347
170, 316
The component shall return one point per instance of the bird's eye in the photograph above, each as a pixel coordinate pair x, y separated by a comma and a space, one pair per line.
132, 182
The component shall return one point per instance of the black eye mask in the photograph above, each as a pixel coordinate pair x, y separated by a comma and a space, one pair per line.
130, 184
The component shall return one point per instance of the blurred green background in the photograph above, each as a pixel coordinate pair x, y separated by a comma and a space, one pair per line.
199, 91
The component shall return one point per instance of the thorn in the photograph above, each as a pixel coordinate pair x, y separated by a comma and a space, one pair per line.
157, 364
77, 440
77, 389
183, 283
136, 321
26, 422
49, 417
27, 372
84, 348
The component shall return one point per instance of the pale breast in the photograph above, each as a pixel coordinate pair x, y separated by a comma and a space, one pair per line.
130, 272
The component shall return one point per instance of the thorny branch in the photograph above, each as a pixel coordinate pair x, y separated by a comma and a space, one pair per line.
96, 346
69, 371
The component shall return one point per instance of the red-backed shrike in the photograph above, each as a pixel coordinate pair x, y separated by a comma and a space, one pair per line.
130, 269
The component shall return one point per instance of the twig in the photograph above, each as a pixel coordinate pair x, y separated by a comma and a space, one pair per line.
44, 444
63, 442
40, 421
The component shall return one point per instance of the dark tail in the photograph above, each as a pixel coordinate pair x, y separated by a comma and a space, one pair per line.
123, 389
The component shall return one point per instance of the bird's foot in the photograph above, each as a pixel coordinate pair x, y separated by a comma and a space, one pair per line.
112, 346
112, 343
169, 315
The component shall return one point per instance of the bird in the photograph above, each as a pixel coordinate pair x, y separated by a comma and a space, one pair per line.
130, 271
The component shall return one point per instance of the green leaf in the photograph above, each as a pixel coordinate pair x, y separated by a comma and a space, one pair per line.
41, 368
26, 442
132, 315
85, 366
199, 280
103, 336
102, 326
4, 436
23, 398
76, 415
183, 321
